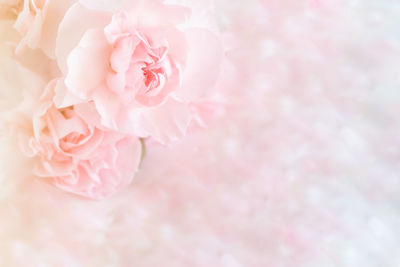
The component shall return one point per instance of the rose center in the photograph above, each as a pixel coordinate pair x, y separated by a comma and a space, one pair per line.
73, 138
152, 77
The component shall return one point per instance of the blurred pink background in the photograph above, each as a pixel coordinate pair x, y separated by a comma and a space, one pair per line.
302, 169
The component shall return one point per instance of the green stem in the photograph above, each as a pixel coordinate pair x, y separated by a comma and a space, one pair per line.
143, 142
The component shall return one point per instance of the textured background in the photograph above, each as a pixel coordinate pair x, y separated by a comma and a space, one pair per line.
302, 169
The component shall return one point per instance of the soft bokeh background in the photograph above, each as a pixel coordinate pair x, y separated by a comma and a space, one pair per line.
301, 170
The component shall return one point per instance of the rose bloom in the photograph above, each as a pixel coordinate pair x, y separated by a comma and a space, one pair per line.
141, 65
78, 157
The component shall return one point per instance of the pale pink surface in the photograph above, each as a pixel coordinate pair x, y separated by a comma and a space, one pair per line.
303, 170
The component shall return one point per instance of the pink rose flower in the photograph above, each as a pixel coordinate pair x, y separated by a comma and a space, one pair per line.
77, 156
141, 66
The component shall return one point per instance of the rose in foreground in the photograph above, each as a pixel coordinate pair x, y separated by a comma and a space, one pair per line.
77, 156
140, 66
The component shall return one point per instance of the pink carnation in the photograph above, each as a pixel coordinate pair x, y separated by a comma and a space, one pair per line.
80, 157
141, 66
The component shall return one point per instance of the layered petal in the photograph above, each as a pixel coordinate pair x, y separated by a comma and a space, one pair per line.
76, 22
88, 64
108, 179
167, 122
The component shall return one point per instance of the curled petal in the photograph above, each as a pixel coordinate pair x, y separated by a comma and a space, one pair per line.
55, 11
167, 122
109, 178
88, 64
64, 97
76, 22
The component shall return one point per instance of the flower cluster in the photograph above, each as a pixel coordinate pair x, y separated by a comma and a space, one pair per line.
118, 73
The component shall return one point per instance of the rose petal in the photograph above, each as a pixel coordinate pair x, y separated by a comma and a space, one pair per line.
117, 28
84, 151
63, 97
167, 122
76, 22
54, 14
177, 47
203, 64
88, 64
88, 112
108, 106
60, 127
53, 169
122, 53
105, 182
